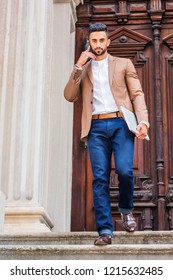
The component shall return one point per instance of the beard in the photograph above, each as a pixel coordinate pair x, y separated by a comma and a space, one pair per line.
99, 51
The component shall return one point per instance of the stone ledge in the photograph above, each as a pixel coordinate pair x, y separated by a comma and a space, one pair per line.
86, 238
86, 252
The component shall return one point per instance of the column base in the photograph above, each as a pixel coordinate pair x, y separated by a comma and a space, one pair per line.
27, 220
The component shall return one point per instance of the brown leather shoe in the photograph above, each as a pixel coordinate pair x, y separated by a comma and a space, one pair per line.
128, 222
103, 239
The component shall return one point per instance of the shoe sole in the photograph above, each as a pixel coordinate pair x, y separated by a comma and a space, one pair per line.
125, 228
101, 242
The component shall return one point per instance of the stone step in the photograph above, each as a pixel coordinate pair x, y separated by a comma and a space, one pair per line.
86, 238
79, 245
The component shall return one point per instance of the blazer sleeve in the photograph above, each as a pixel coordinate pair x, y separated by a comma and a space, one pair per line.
72, 88
136, 93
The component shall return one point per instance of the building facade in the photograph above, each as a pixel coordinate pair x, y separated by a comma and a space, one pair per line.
45, 171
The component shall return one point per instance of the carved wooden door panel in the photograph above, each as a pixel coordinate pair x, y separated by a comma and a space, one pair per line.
141, 31
167, 93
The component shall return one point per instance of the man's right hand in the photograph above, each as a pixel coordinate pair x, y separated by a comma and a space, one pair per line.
84, 57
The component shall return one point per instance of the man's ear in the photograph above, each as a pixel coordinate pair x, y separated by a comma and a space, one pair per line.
108, 43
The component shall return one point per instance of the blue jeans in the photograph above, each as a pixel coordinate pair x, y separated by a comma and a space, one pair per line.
107, 136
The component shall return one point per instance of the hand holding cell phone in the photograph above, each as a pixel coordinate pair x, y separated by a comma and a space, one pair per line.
85, 56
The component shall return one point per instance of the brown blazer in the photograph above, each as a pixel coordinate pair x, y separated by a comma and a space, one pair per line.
124, 83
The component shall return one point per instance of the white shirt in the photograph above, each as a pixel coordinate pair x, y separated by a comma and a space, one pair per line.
103, 100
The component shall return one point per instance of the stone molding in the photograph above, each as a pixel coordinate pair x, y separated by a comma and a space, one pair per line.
19, 219
76, 2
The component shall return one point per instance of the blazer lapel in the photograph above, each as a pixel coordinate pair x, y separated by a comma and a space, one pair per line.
111, 67
89, 71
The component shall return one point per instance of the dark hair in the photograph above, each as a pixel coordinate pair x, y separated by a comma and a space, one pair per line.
97, 27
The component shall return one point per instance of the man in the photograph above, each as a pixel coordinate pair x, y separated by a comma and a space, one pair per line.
106, 83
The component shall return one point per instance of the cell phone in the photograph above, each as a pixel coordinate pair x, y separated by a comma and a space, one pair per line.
91, 50
87, 45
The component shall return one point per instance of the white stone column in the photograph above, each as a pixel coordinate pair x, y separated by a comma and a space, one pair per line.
25, 66
37, 43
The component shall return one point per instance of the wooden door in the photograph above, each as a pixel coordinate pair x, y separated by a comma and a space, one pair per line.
143, 32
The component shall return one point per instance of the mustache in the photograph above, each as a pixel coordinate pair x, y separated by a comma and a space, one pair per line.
98, 48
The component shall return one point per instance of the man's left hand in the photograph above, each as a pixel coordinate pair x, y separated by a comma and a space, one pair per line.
141, 131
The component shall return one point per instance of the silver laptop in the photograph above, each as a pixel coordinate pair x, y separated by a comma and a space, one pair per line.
131, 120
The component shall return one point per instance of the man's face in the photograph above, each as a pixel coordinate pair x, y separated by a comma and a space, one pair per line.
99, 42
